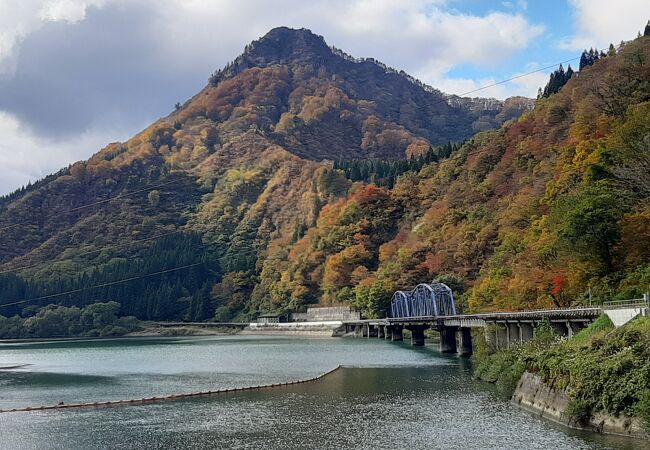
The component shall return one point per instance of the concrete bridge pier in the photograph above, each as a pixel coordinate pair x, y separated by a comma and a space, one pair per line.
512, 332
525, 331
388, 331
464, 341
574, 327
500, 336
358, 330
448, 340
381, 332
417, 335
397, 333
373, 331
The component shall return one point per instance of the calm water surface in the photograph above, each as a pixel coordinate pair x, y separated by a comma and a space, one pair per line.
389, 395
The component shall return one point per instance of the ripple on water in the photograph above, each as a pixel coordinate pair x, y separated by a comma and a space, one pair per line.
389, 396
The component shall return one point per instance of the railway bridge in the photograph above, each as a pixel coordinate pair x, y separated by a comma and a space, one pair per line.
502, 329
431, 306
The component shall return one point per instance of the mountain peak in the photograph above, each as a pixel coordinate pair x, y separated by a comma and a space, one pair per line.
286, 35
281, 45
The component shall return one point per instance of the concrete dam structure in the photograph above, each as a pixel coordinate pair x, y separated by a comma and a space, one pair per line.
317, 321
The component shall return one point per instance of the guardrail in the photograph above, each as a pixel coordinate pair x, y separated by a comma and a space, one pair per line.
201, 324
631, 303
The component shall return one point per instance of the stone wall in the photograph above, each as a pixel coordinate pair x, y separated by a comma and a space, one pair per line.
539, 398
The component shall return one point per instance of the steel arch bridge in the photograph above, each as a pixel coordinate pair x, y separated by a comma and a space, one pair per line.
426, 300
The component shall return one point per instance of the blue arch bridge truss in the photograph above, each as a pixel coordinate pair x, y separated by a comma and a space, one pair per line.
427, 299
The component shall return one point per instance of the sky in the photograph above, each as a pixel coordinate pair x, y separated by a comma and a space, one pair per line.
76, 75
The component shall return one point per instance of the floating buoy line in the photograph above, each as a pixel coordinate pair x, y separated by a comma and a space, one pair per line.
171, 397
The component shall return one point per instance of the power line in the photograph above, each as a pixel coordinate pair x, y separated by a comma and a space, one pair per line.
126, 194
446, 99
516, 77
73, 291
111, 283
17, 269
506, 81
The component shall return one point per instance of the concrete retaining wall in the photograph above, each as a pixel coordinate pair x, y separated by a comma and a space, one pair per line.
328, 328
327, 313
621, 316
539, 398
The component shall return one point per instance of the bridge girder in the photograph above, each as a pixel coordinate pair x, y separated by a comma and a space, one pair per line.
427, 299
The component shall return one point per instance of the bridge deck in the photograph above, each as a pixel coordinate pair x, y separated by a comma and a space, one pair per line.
574, 314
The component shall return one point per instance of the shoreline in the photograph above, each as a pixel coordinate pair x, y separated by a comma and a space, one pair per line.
294, 329
542, 400
11, 367
183, 330
188, 331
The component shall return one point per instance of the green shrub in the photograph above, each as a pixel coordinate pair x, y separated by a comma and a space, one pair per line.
605, 369
579, 411
503, 368
601, 326
643, 409
545, 334
113, 330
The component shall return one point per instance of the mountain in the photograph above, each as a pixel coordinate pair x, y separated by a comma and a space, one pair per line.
237, 190
552, 209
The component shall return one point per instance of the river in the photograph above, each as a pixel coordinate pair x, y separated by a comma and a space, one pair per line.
388, 395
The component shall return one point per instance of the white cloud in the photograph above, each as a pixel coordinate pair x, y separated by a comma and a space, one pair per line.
71, 11
525, 86
601, 22
22, 17
421, 37
411, 38
25, 157
408, 34
521, 4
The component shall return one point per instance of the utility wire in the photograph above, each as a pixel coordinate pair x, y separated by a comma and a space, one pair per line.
18, 269
446, 99
516, 77
126, 194
73, 291
502, 82
111, 283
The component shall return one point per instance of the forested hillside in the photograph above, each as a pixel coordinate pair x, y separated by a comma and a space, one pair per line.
532, 215
299, 175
